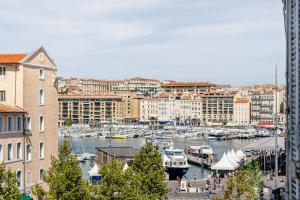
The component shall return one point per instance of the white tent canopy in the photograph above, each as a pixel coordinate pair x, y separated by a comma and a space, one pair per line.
234, 156
224, 164
94, 171
240, 154
231, 159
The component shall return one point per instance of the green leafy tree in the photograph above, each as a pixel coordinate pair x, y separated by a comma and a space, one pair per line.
245, 184
148, 167
117, 184
8, 184
68, 122
64, 177
39, 192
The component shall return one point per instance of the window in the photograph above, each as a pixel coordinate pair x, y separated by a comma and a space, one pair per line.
2, 96
42, 74
42, 172
1, 124
42, 97
42, 122
29, 152
2, 71
28, 125
42, 152
1, 153
19, 178
10, 123
9, 152
19, 123
19, 150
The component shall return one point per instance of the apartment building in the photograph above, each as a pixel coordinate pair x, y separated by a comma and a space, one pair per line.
12, 140
141, 85
217, 107
241, 111
262, 107
171, 108
130, 104
90, 108
181, 87
28, 97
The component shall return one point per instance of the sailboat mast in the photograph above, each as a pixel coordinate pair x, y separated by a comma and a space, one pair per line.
276, 129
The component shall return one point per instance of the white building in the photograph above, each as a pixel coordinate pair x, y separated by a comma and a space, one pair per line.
170, 109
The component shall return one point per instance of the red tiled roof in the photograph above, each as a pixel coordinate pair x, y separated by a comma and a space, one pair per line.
188, 84
11, 58
5, 108
242, 101
89, 96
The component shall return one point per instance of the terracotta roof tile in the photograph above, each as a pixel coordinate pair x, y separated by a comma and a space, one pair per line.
11, 58
242, 101
5, 108
188, 84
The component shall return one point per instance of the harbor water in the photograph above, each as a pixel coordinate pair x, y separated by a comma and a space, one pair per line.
88, 144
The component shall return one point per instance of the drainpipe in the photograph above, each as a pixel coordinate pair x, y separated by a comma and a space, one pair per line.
24, 152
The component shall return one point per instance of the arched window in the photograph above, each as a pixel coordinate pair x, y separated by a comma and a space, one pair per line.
42, 151
28, 152
19, 178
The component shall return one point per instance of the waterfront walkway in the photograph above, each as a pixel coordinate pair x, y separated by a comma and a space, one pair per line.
195, 189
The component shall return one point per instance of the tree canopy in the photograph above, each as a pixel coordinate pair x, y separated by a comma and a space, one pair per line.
245, 184
64, 178
148, 166
8, 184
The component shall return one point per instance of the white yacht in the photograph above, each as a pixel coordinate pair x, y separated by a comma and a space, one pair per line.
175, 162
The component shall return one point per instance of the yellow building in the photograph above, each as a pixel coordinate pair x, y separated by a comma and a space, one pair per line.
28, 82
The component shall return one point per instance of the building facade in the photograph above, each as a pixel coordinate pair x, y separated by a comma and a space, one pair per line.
171, 108
181, 87
28, 81
218, 107
13, 137
262, 107
241, 111
88, 109
292, 22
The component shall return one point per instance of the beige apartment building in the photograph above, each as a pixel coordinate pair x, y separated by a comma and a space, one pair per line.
241, 111
13, 140
180, 87
28, 84
218, 106
90, 108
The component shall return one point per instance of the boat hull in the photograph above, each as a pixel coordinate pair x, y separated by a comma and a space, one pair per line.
175, 172
119, 137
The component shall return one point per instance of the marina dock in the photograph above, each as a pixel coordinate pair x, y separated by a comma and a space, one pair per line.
198, 161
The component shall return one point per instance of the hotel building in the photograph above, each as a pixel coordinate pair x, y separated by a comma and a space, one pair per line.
90, 108
28, 98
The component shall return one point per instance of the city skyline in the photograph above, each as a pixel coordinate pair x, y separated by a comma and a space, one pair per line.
229, 42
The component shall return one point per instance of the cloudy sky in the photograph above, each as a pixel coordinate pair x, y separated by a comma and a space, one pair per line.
234, 42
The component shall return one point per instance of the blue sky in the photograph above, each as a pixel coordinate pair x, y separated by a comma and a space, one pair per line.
234, 42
